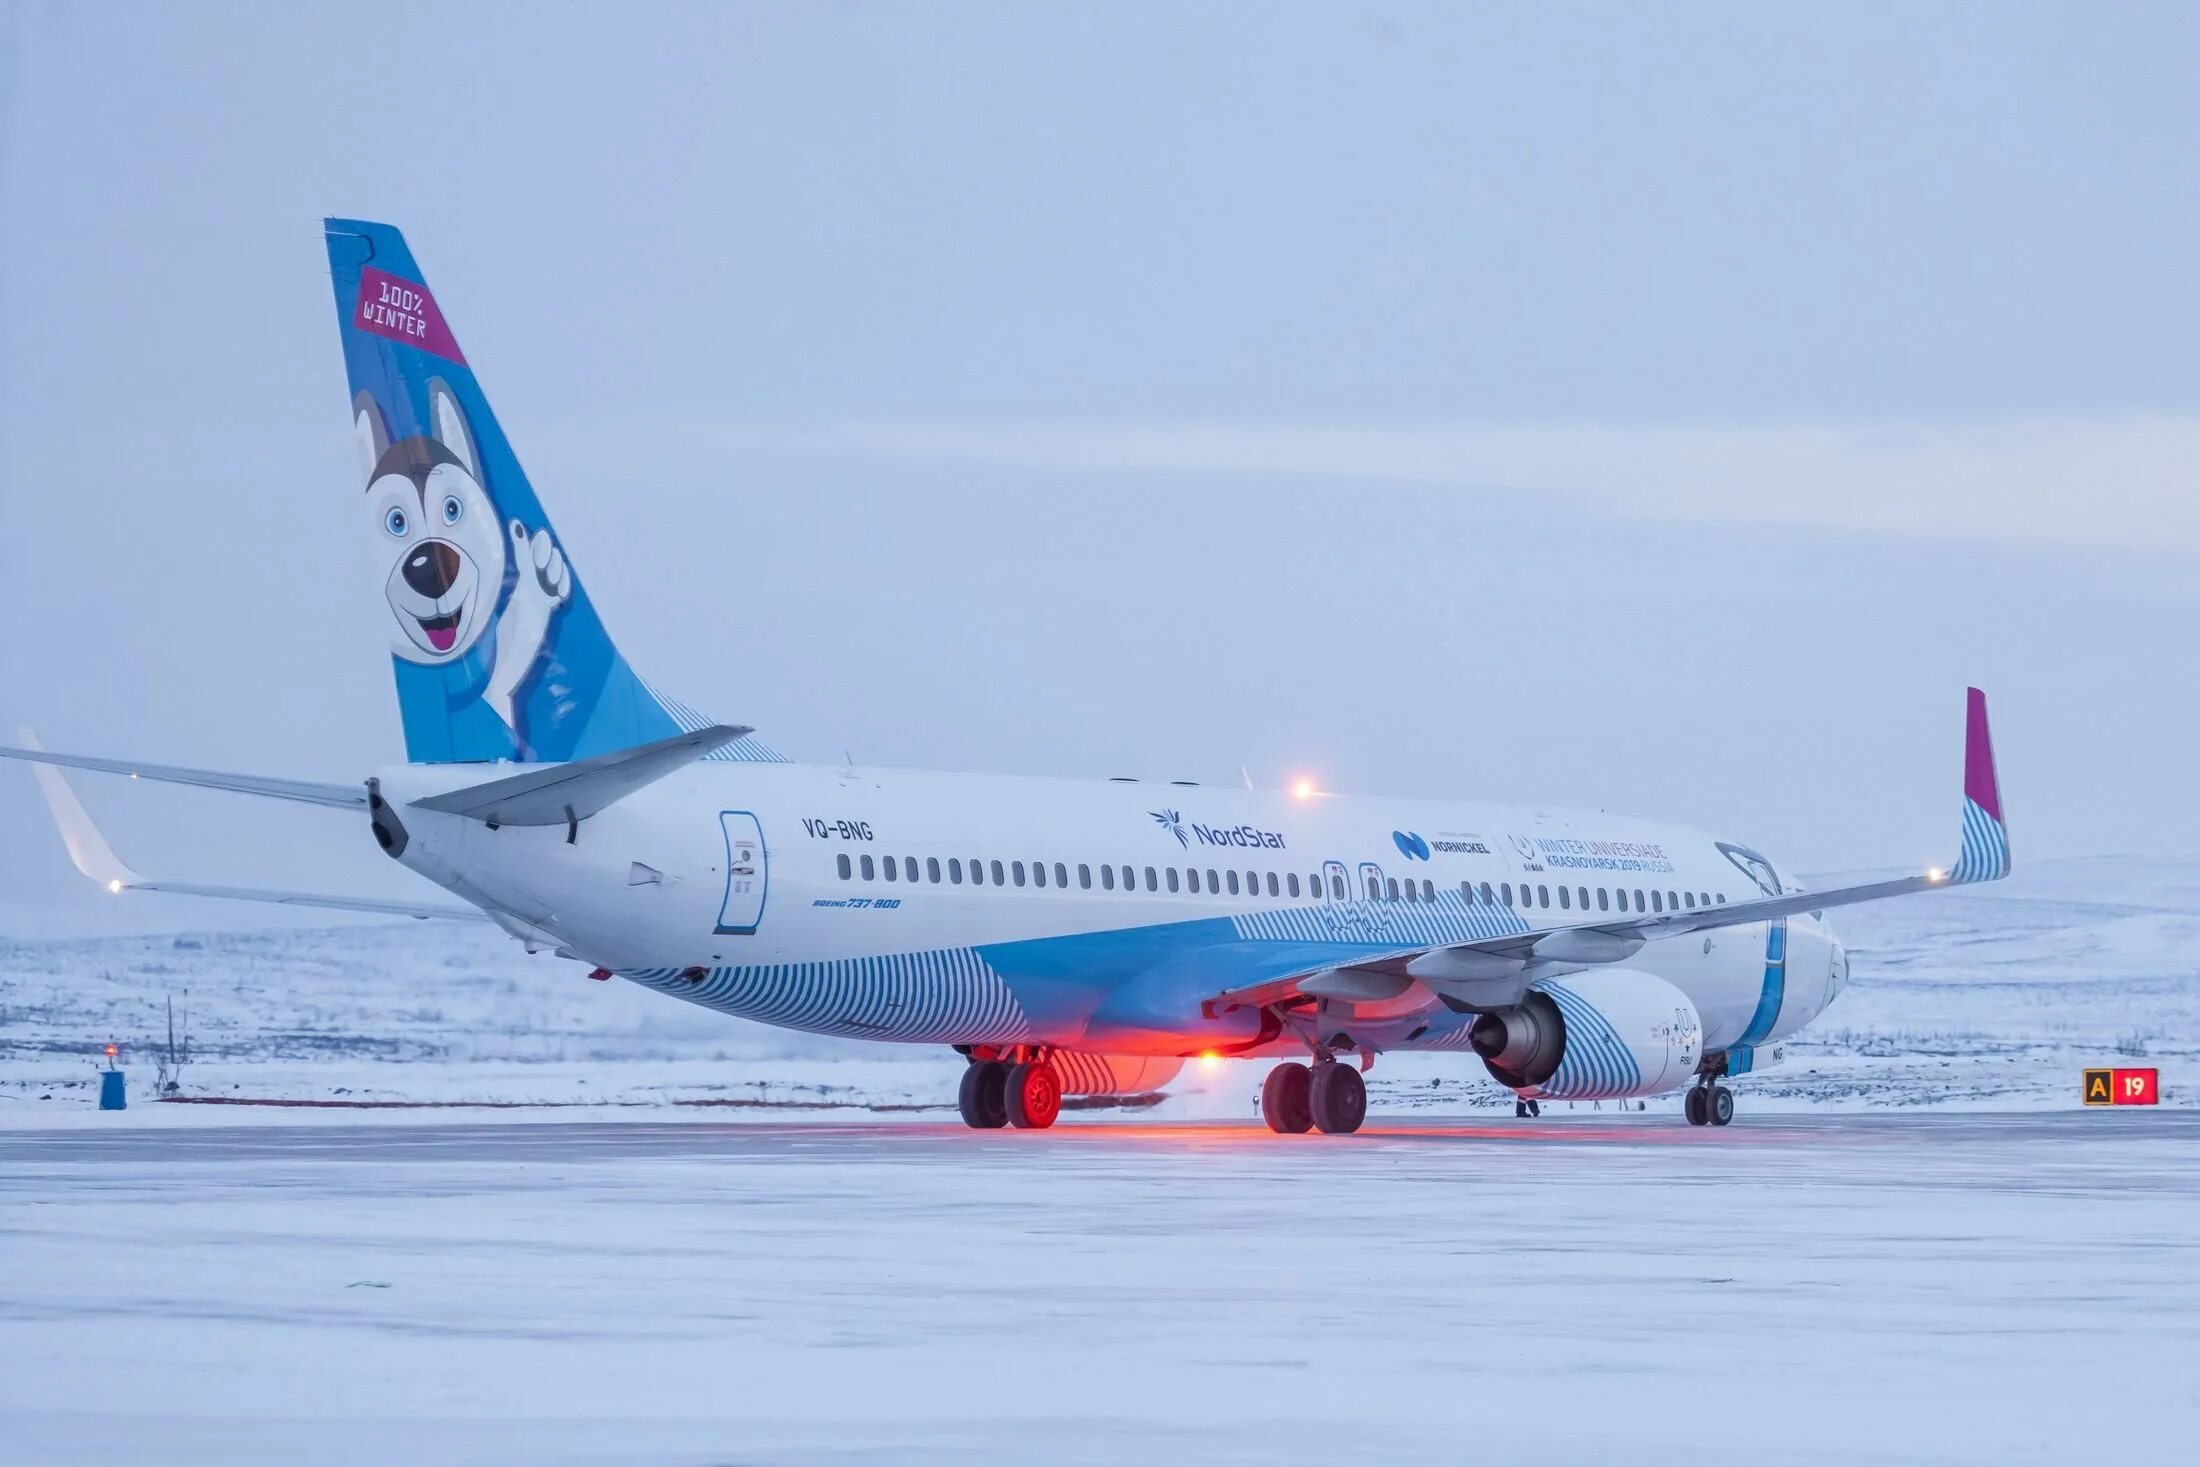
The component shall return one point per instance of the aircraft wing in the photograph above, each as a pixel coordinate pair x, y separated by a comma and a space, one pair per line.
97, 859
1495, 971
311, 792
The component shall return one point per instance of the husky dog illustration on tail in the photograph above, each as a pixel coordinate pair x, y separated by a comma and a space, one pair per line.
449, 552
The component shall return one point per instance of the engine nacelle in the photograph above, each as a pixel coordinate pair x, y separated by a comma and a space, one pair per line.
1605, 1035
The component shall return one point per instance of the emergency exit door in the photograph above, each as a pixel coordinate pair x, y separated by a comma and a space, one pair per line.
747, 876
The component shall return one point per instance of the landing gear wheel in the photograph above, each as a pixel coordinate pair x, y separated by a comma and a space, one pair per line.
1339, 1099
1033, 1095
983, 1099
1722, 1105
1284, 1099
1697, 1107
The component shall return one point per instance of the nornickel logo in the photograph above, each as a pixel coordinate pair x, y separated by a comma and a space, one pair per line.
1411, 846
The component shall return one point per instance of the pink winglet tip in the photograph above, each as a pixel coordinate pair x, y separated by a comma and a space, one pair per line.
1979, 784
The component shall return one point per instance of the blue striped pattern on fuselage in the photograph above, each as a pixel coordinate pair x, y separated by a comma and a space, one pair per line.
950, 996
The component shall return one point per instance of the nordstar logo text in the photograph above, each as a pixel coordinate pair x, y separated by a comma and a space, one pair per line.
1210, 835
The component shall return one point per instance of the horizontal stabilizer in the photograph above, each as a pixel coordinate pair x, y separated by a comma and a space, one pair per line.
311, 792
97, 859
561, 794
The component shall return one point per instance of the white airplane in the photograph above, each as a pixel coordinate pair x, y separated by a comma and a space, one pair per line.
1078, 936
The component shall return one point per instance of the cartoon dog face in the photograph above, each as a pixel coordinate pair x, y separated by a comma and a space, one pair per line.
431, 516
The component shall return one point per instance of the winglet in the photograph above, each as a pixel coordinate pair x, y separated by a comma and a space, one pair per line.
87, 847
1985, 838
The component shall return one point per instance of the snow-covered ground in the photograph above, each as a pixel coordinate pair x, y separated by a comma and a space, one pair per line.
1893, 1287
1992, 997
1899, 1251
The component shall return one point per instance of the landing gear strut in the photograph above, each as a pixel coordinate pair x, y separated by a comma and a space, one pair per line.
1025, 1092
1523, 1107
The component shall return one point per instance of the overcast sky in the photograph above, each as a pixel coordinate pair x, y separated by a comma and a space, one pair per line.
1660, 408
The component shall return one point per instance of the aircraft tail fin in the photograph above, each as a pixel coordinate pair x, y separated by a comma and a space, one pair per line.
497, 649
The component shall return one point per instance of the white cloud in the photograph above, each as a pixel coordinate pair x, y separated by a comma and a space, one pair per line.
2124, 482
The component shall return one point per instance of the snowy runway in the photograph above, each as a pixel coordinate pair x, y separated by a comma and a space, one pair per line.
1952, 1287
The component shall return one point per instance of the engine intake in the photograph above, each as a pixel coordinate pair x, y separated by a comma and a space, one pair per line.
1523, 1045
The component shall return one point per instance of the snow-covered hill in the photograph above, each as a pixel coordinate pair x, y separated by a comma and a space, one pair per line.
1995, 996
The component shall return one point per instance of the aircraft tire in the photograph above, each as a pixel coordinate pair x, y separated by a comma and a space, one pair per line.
983, 1098
1032, 1097
1339, 1099
1697, 1106
1722, 1105
1285, 1102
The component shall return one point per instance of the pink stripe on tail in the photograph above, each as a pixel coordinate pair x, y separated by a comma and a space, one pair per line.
1979, 783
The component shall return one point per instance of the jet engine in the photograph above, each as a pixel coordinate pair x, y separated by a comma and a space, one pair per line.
1603, 1035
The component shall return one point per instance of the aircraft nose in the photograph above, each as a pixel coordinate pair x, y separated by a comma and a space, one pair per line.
432, 568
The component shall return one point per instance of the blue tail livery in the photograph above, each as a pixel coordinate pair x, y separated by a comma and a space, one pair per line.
497, 650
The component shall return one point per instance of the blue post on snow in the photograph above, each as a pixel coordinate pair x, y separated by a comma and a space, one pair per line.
111, 1095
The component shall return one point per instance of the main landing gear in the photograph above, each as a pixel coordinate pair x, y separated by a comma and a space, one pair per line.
1019, 1088
1326, 1096
1709, 1103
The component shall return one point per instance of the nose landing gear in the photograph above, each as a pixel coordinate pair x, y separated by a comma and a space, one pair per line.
1709, 1103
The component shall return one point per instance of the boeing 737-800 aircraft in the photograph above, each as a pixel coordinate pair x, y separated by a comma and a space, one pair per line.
1060, 934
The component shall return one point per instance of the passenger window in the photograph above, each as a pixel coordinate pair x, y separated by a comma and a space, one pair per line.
1620, 897
1153, 883
1016, 872
1542, 895
997, 877
869, 872
1413, 892
1084, 877
1689, 898
847, 868
1214, 882
1507, 890
1565, 898
932, 869
1489, 898
1291, 883
1061, 876
955, 870
1038, 873
892, 866
1191, 879
1656, 905
1374, 889
1274, 888
1336, 885
1171, 874
1233, 883
977, 873
1640, 904
1604, 900
1393, 892
1107, 878
1130, 879
1672, 901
